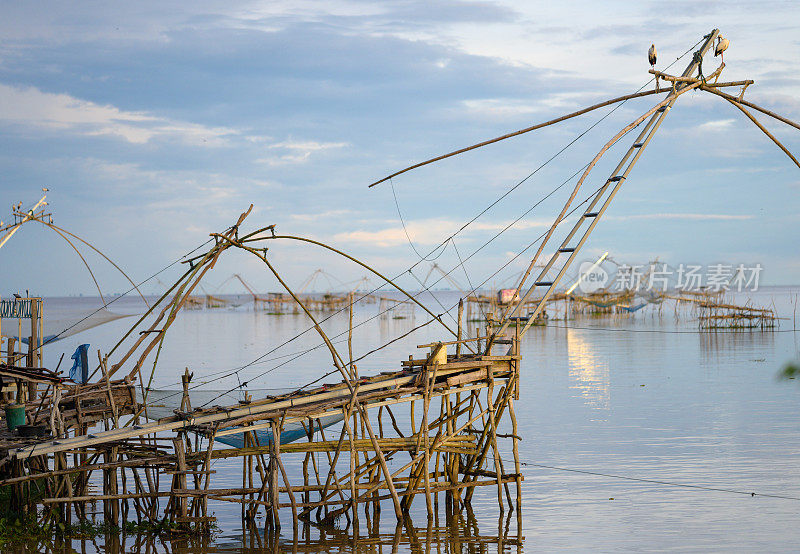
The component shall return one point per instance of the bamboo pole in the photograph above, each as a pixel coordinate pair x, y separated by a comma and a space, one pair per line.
459, 335
276, 438
763, 129
526, 130
425, 430
740, 100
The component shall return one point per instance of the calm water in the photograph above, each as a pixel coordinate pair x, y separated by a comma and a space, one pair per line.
647, 397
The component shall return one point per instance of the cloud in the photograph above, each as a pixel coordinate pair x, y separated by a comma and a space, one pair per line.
500, 107
693, 217
716, 125
386, 17
328, 96
429, 231
426, 232
30, 106
321, 215
505, 107
297, 152
182, 193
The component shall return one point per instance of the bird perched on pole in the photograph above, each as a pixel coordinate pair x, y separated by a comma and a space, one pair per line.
651, 57
722, 45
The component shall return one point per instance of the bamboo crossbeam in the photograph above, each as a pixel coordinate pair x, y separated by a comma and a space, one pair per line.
176, 422
95, 497
451, 342
435, 488
365, 445
173, 423
679, 79
140, 462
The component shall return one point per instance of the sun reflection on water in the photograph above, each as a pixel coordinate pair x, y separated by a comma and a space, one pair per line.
588, 372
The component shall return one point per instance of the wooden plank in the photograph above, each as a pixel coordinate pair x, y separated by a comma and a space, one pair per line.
471, 377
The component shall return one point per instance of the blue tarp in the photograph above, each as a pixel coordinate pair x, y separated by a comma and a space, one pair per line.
79, 372
633, 308
265, 435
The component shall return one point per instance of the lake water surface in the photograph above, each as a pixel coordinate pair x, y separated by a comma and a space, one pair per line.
646, 397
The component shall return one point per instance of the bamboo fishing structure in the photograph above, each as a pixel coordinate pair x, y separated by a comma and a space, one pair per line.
455, 403
717, 315
440, 423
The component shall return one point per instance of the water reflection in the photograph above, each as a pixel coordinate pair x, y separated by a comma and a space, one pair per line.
588, 371
456, 532
726, 342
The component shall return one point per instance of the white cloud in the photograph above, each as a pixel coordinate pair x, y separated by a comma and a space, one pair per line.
290, 152
428, 231
321, 215
307, 9
716, 125
182, 193
504, 107
696, 217
500, 107
30, 106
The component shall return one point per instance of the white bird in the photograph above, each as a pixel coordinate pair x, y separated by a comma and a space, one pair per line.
651, 56
722, 45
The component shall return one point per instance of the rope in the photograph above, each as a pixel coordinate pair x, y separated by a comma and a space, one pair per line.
405, 230
426, 289
657, 481
135, 287
466, 273
662, 331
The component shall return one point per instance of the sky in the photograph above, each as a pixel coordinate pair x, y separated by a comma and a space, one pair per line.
154, 124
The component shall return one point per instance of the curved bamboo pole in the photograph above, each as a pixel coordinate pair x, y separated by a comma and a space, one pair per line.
362, 264
338, 362
106, 258
97, 286
523, 131
208, 262
764, 129
750, 105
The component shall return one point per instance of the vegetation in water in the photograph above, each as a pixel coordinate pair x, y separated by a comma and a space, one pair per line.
18, 528
790, 371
